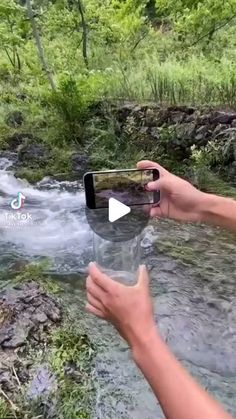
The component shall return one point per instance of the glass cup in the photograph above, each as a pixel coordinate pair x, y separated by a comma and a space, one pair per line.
119, 260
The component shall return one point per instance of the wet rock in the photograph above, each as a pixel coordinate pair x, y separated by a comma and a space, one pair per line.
224, 117
21, 96
80, 162
124, 111
203, 133
190, 118
44, 382
185, 131
17, 303
27, 317
227, 133
17, 139
40, 317
188, 110
10, 155
154, 117
220, 128
7, 159
6, 380
53, 313
144, 130
155, 133
15, 119
34, 155
176, 117
204, 119
17, 335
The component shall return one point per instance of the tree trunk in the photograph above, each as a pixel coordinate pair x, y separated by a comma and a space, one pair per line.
84, 26
39, 46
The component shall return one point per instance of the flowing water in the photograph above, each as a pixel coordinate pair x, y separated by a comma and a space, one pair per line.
193, 283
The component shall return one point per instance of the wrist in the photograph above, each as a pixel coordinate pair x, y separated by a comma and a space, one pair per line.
214, 209
207, 206
144, 343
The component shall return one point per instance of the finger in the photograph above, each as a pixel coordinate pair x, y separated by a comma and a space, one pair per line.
96, 291
95, 302
148, 164
143, 277
156, 212
93, 310
161, 184
101, 279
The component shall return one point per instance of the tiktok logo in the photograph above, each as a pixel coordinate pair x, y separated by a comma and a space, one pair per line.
18, 203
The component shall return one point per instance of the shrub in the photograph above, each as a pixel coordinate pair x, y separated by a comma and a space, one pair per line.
72, 102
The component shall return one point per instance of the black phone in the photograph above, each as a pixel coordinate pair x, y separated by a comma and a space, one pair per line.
127, 186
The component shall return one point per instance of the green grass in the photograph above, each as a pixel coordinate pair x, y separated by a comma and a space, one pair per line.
71, 348
195, 81
6, 410
67, 352
185, 254
37, 272
210, 182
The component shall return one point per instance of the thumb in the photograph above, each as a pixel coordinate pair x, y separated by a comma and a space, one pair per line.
143, 277
159, 185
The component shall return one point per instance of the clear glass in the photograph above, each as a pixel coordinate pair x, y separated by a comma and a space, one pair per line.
119, 260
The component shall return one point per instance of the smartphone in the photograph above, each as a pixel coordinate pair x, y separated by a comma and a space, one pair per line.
127, 186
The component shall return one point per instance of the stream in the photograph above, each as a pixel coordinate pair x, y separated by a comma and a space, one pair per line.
193, 283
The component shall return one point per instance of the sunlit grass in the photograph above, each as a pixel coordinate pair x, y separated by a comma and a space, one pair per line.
196, 81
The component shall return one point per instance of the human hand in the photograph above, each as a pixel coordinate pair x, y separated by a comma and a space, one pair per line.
128, 308
179, 199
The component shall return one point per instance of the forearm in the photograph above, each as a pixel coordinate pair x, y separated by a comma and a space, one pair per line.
179, 395
218, 211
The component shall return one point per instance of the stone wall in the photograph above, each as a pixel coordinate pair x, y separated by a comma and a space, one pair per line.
174, 130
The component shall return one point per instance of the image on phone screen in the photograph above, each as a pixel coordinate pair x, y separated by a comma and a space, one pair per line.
128, 187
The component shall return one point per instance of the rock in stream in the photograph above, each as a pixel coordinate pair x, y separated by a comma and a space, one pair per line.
27, 315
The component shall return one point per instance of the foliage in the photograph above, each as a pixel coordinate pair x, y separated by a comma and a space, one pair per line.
6, 411
72, 101
58, 166
67, 352
196, 20
175, 52
37, 272
71, 358
13, 31
202, 162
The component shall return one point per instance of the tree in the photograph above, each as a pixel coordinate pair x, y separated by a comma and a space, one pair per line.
197, 20
39, 46
84, 28
13, 28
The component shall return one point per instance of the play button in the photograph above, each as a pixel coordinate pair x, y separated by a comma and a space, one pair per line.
116, 221
117, 210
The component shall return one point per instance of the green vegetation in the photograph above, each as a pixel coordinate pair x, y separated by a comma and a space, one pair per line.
64, 66
206, 180
66, 351
6, 410
185, 254
58, 61
65, 62
37, 272
71, 349
69, 356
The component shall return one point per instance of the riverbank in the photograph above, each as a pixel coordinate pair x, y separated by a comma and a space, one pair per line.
197, 143
192, 272
46, 358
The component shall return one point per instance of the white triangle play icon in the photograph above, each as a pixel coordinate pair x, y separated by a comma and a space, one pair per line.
117, 210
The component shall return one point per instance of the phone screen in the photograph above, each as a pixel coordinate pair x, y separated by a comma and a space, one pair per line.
128, 187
